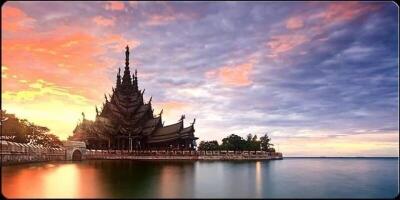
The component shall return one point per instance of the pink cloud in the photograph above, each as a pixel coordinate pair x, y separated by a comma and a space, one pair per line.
334, 13
14, 19
344, 11
155, 20
284, 43
168, 15
294, 23
114, 5
234, 75
102, 21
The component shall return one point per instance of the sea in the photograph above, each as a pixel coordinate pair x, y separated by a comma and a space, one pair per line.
286, 178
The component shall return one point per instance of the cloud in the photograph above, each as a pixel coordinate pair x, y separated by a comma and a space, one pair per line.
102, 21
172, 110
156, 20
317, 74
234, 75
167, 14
114, 5
41, 88
47, 104
284, 43
345, 11
14, 19
294, 23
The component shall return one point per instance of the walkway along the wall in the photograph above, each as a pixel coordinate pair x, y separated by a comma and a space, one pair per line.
14, 153
182, 155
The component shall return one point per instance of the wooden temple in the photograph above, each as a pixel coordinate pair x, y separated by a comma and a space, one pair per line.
126, 122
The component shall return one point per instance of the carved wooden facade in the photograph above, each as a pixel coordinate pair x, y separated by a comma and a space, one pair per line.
126, 122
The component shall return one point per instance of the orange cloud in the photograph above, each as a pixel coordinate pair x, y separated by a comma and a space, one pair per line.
102, 21
50, 77
294, 23
65, 58
114, 5
284, 43
234, 75
14, 19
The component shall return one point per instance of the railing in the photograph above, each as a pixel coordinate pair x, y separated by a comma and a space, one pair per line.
95, 153
14, 148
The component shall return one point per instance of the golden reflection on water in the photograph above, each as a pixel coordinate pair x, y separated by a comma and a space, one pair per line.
62, 182
258, 179
51, 181
169, 187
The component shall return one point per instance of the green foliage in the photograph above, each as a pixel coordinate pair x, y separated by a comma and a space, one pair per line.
233, 142
208, 145
266, 143
23, 131
236, 143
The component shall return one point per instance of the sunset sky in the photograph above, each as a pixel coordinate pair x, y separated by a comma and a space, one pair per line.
319, 77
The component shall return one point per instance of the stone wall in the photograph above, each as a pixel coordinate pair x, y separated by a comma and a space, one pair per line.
14, 153
182, 155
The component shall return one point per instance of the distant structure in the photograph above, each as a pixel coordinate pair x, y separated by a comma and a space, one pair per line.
125, 122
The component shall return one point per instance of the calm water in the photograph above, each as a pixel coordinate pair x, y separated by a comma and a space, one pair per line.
291, 177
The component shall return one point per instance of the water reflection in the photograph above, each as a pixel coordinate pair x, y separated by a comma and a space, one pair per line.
50, 181
289, 178
258, 176
176, 180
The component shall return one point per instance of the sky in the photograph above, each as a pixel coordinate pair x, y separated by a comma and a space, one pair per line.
321, 78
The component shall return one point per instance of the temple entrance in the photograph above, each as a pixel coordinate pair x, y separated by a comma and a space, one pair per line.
76, 155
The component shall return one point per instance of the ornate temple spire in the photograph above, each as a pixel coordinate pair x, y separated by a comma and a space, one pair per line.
119, 78
126, 79
127, 56
194, 120
135, 80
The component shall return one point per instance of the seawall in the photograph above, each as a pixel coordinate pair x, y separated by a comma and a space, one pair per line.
181, 155
16, 153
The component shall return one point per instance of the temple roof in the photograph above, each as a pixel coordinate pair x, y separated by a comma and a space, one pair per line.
124, 112
153, 122
166, 133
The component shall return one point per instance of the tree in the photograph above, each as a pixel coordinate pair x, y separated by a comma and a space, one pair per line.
208, 145
23, 131
233, 142
265, 143
249, 137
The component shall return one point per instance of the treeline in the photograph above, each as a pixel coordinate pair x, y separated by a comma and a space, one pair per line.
236, 143
22, 131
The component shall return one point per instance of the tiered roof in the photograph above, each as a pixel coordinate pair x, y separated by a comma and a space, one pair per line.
125, 113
